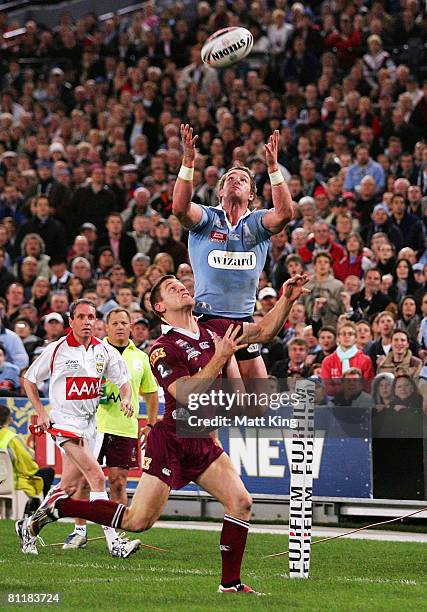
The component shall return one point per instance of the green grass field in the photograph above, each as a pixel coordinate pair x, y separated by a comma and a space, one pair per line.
345, 575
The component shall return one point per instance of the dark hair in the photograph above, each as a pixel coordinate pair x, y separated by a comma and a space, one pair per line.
328, 328
4, 414
77, 303
117, 310
156, 291
297, 342
401, 331
372, 270
125, 286
323, 254
107, 278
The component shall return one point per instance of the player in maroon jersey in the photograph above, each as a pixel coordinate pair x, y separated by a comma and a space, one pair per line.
186, 356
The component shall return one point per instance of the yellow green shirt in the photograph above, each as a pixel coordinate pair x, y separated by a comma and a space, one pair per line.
109, 417
24, 466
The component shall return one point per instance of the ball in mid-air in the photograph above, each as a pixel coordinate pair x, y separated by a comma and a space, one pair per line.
226, 47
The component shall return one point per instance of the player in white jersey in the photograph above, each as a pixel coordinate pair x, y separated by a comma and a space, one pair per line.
76, 365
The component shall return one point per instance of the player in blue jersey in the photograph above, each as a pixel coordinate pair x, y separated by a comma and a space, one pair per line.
228, 243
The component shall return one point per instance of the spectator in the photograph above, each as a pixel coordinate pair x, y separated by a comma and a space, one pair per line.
53, 327
15, 350
410, 226
381, 222
370, 299
324, 301
93, 202
404, 282
346, 356
409, 319
6, 277
327, 343
104, 291
24, 329
122, 245
296, 364
164, 243
15, 298
9, 376
364, 166
400, 360
33, 246
60, 274
139, 205
82, 269
141, 333
321, 241
49, 229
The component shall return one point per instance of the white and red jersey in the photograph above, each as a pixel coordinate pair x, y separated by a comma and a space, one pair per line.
75, 375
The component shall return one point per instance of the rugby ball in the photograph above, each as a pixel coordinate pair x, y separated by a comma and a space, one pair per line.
226, 47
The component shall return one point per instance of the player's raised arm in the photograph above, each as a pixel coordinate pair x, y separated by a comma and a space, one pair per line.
187, 211
274, 320
276, 218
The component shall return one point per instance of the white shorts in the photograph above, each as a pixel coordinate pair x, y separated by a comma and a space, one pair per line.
86, 428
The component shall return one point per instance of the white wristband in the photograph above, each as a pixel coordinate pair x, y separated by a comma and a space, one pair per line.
276, 178
186, 174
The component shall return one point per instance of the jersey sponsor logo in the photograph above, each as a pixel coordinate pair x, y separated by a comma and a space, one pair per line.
146, 463
81, 387
166, 471
230, 260
203, 306
204, 345
72, 364
233, 236
252, 348
183, 343
99, 362
157, 354
218, 236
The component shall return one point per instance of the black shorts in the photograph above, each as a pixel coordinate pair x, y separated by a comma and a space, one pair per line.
118, 451
244, 354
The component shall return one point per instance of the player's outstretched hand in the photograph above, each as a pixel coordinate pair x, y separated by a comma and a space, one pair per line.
188, 143
126, 408
271, 151
231, 342
294, 287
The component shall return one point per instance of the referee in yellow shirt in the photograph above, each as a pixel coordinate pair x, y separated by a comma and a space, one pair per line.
119, 449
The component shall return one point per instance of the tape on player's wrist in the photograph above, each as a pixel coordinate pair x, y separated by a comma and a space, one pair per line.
276, 178
186, 174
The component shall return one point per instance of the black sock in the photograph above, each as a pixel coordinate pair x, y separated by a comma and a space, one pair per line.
228, 585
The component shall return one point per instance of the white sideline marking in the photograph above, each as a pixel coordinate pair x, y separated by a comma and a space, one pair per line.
362, 579
318, 532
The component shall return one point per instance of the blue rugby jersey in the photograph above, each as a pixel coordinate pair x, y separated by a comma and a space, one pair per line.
227, 261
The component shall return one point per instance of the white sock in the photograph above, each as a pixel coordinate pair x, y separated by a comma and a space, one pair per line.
81, 530
109, 532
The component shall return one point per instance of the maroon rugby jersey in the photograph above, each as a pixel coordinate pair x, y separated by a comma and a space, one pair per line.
178, 353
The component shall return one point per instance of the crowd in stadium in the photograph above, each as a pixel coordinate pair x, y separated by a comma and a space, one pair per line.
90, 148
